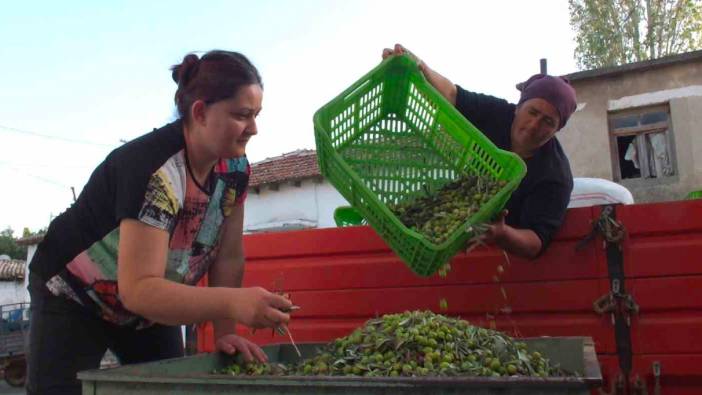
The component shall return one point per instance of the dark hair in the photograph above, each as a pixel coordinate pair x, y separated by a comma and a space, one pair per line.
216, 76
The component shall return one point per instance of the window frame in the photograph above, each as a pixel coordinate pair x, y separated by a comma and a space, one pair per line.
640, 130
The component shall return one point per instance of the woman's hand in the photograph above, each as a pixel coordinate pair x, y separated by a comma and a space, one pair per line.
400, 50
492, 233
524, 243
441, 83
232, 344
496, 232
257, 308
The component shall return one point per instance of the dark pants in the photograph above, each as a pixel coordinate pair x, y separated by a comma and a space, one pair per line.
65, 338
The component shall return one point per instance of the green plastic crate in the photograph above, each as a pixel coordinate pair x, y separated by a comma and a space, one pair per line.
390, 137
694, 195
347, 216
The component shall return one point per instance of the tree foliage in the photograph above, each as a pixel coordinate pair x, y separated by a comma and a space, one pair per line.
615, 32
8, 245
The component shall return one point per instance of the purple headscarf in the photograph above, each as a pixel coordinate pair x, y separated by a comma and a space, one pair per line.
555, 90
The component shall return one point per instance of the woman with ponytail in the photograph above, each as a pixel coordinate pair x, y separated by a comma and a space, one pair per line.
118, 269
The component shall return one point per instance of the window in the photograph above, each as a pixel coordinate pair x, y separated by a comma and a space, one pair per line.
641, 143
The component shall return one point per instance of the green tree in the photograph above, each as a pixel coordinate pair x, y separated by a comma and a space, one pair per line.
8, 245
615, 32
27, 233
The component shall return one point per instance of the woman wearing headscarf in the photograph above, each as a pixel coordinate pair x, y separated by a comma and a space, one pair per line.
537, 207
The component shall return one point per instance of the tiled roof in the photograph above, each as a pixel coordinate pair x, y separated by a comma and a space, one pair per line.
293, 166
12, 269
30, 240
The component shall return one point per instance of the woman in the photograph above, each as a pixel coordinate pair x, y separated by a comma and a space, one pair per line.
118, 269
537, 207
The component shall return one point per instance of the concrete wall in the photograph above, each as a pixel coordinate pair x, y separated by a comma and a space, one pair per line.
586, 137
31, 249
309, 205
16, 291
13, 292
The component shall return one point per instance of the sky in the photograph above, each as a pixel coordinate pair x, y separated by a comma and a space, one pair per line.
78, 78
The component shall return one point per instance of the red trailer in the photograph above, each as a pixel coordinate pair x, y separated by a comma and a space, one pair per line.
628, 276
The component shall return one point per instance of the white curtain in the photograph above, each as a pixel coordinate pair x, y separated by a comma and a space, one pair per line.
655, 148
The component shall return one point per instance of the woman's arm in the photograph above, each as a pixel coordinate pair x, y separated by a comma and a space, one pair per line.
523, 243
228, 271
228, 268
144, 290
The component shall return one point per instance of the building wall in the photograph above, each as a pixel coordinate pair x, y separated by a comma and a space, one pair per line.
31, 249
16, 291
586, 138
13, 292
686, 125
310, 205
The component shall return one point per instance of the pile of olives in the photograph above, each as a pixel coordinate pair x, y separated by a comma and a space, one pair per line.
437, 215
254, 369
419, 343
